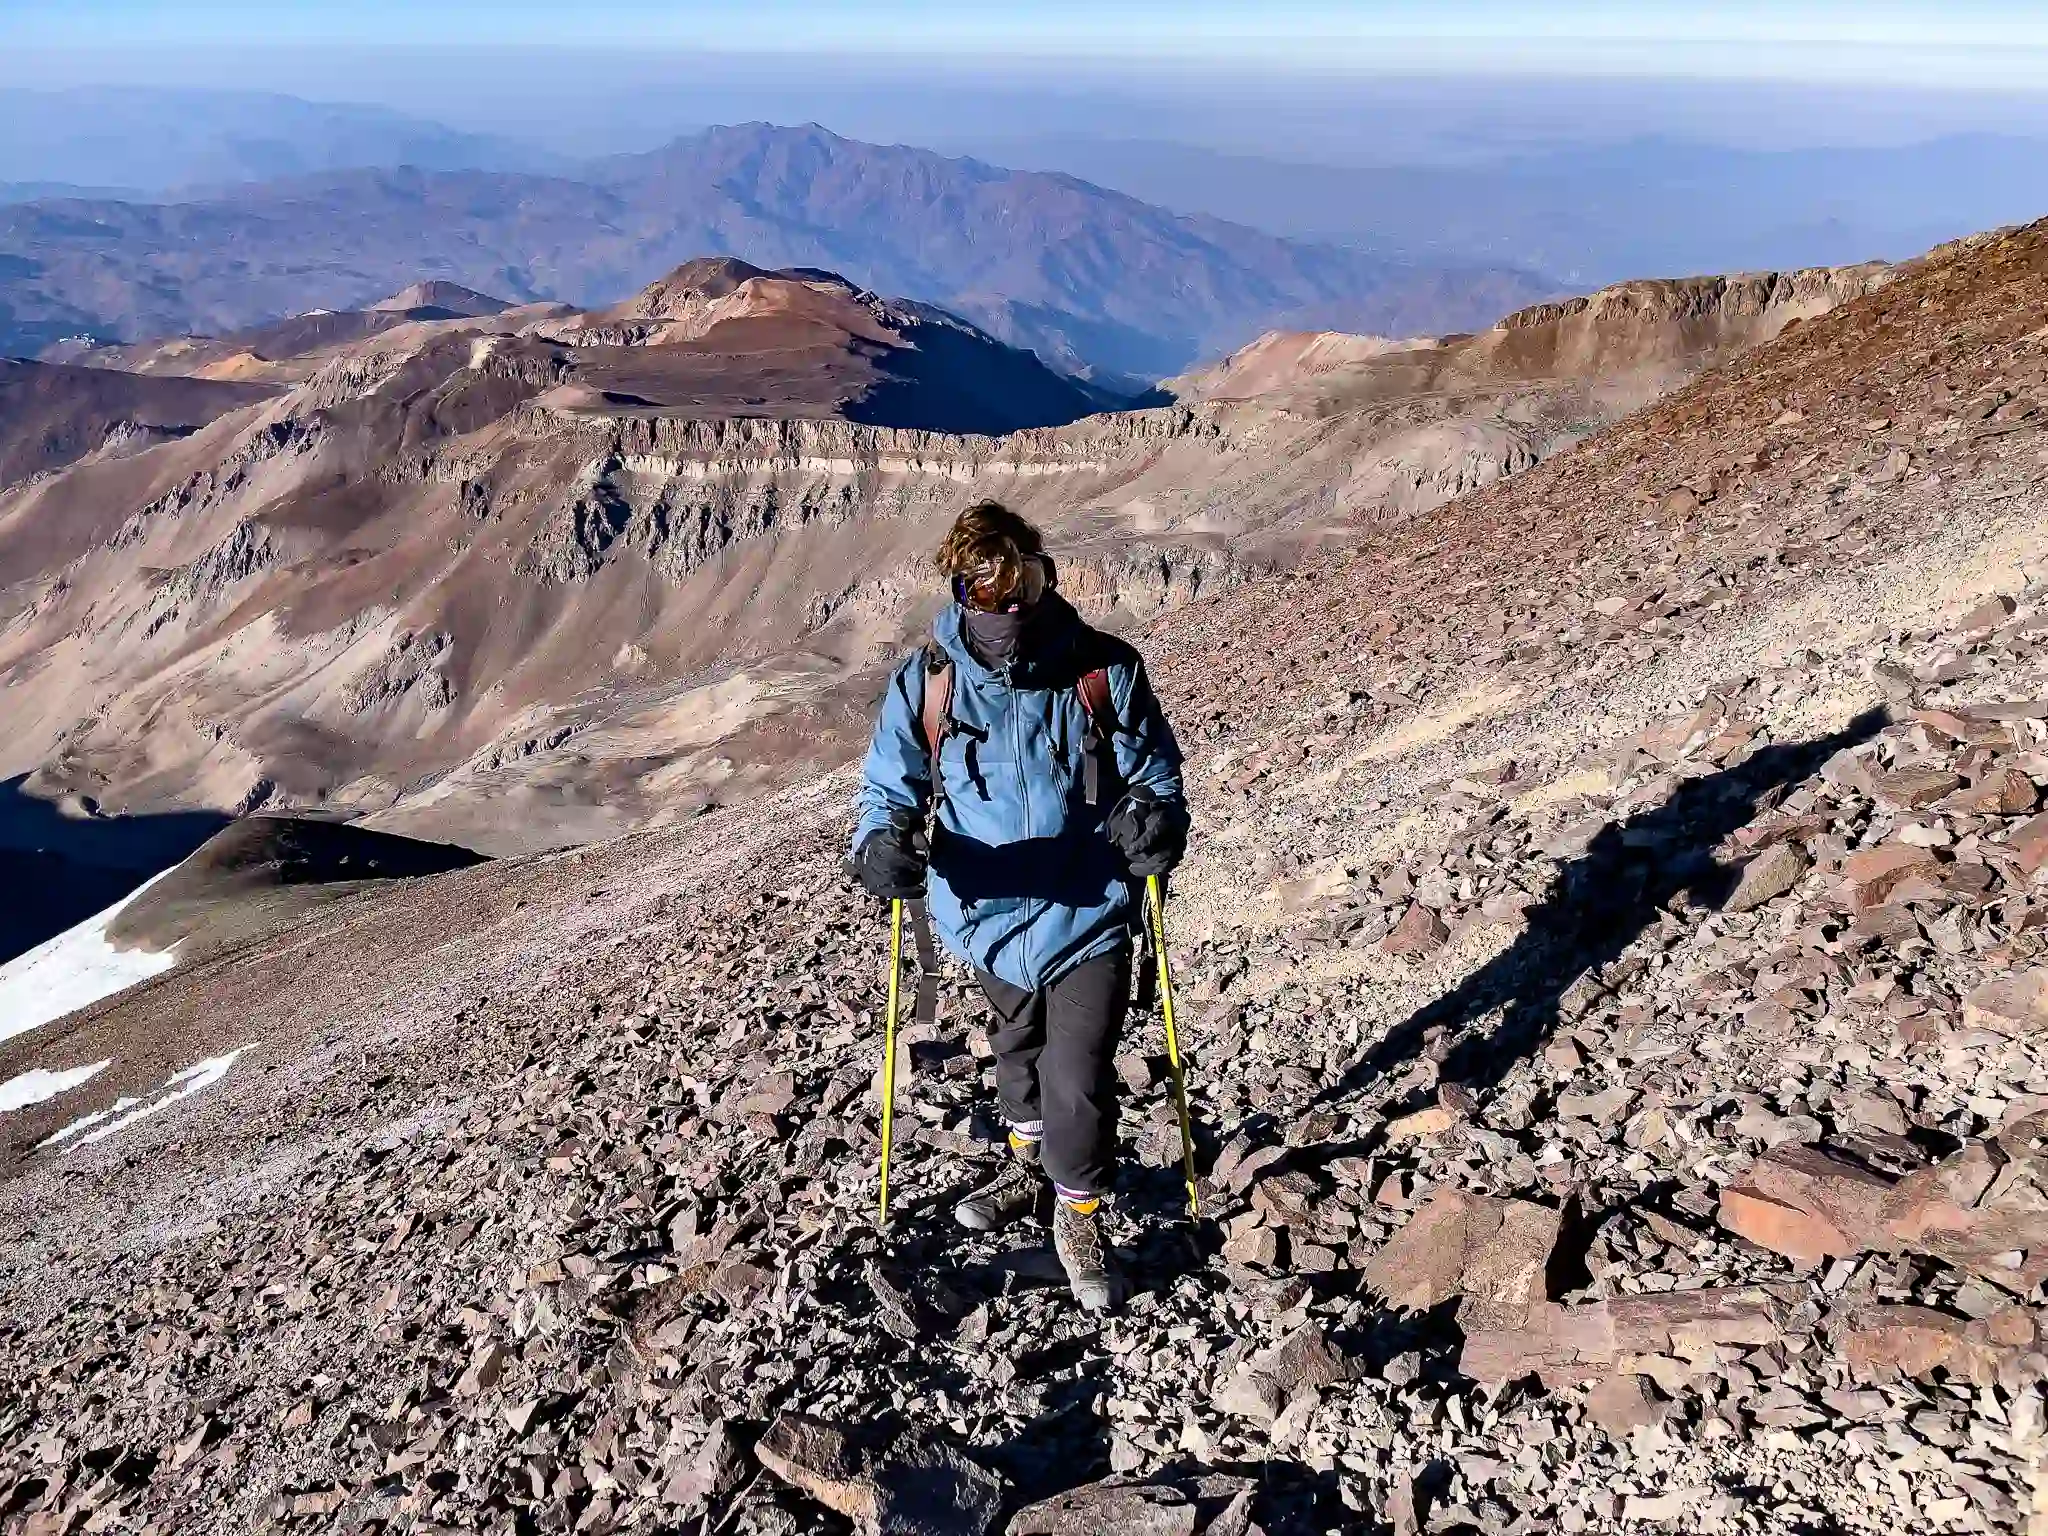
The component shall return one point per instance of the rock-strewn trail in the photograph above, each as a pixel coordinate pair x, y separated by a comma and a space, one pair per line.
1616, 972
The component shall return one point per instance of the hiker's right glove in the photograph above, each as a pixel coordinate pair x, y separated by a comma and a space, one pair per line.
891, 862
1151, 833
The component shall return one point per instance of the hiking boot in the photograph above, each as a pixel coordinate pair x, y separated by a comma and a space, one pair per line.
1006, 1198
1077, 1239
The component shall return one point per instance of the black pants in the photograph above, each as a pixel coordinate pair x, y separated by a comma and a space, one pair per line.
1055, 1062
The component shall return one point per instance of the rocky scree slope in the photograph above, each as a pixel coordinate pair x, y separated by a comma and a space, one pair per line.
1612, 967
540, 576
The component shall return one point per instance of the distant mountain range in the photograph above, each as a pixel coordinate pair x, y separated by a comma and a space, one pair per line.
1097, 282
1595, 213
159, 139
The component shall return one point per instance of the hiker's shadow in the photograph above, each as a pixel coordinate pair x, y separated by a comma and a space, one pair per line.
1603, 900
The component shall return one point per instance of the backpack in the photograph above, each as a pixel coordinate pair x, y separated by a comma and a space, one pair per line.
1096, 698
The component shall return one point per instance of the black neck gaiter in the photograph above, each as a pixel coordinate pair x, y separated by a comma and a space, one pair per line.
994, 637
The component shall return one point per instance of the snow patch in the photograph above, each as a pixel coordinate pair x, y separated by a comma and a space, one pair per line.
124, 1112
73, 970
33, 1087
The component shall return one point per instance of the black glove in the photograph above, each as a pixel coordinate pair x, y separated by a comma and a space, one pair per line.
1151, 834
891, 861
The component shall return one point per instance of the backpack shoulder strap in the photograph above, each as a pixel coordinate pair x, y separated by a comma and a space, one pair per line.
936, 717
1097, 699
1098, 746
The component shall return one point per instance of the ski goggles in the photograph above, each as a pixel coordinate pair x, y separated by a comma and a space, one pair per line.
1002, 586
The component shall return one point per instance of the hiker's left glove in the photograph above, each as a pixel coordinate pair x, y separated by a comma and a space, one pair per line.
891, 862
1151, 833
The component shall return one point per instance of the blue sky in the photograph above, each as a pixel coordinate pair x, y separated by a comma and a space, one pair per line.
1992, 42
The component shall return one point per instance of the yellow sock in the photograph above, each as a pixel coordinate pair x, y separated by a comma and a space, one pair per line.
1084, 1207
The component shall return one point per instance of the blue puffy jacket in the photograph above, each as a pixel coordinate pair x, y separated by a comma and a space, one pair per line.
1025, 883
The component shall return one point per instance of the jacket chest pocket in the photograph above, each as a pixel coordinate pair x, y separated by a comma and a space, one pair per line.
1063, 736
1025, 750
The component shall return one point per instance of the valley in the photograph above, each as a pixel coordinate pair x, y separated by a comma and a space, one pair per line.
526, 576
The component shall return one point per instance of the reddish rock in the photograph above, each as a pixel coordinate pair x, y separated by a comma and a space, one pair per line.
1984, 1210
1874, 873
1786, 829
1264, 1385
1767, 876
1490, 1252
1965, 728
1582, 1343
1910, 788
1680, 501
922, 1484
1420, 932
1989, 614
2029, 844
818, 1458
1259, 1248
2014, 1005
1111, 1508
2000, 792
1423, 1123
1807, 1204
1885, 1342
1624, 1402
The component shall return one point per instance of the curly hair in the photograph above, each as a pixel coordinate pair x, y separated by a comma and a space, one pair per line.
987, 534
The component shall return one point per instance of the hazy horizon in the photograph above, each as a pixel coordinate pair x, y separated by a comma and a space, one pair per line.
1381, 82
1976, 43
1386, 118
1595, 143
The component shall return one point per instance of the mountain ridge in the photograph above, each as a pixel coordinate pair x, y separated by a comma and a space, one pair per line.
1092, 279
1638, 337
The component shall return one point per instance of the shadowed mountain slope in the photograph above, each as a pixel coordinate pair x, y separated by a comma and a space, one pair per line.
262, 871
52, 415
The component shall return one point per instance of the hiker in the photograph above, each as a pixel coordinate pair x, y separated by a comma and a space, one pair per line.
1022, 758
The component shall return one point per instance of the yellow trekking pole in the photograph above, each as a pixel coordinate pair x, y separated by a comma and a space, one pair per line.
889, 1049
1157, 901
